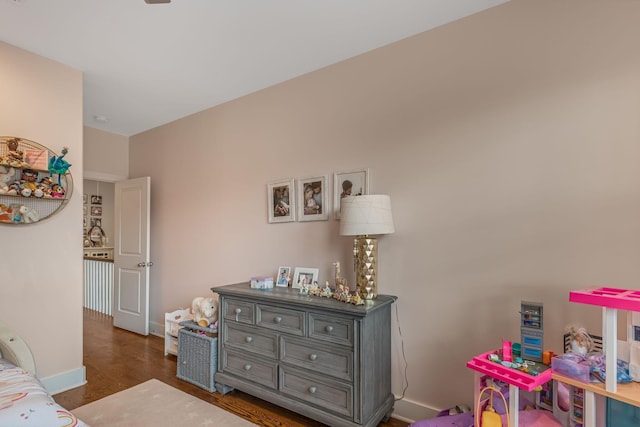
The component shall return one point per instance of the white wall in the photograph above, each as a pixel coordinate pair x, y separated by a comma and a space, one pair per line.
41, 285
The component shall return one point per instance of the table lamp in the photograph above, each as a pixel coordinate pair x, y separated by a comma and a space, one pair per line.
364, 216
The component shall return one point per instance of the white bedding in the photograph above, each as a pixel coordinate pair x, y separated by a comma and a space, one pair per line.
23, 399
25, 402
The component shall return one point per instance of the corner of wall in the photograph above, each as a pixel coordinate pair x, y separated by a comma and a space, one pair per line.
65, 381
409, 411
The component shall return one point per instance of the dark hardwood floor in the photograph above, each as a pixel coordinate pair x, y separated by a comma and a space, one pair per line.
116, 359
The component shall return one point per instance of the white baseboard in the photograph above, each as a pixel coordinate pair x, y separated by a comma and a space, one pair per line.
409, 411
157, 329
65, 381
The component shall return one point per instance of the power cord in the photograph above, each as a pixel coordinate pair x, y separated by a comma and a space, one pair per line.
404, 357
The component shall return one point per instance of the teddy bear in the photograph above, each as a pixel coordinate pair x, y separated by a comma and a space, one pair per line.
6, 175
205, 310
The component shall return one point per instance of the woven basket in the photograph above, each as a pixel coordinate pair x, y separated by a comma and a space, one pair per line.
197, 357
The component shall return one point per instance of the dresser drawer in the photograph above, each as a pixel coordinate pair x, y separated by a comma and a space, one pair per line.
239, 311
331, 329
251, 338
323, 392
254, 369
281, 319
322, 358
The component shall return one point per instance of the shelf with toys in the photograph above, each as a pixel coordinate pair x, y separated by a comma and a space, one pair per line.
519, 375
34, 182
611, 300
523, 366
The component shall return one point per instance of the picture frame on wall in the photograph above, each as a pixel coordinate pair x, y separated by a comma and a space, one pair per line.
84, 199
284, 277
281, 201
96, 210
96, 200
304, 275
349, 183
313, 199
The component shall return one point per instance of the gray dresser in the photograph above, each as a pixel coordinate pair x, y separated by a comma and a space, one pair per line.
322, 358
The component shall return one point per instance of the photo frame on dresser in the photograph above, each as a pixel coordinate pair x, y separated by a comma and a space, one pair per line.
281, 201
284, 277
304, 276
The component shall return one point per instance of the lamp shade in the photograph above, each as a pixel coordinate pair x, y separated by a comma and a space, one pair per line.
366, 215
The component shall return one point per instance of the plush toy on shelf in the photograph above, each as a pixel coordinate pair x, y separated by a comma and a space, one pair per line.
6, 176
29, 215
205, 311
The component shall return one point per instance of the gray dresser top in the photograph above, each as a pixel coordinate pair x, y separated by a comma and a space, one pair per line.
281, 295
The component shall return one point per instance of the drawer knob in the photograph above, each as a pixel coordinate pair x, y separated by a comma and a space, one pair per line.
313, 357
277, 319
329, 328
313, 389
247, 367
248, 339
238, 310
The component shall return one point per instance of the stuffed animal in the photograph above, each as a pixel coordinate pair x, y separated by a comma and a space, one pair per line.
6, 213
29, 215
6, 176
205, 310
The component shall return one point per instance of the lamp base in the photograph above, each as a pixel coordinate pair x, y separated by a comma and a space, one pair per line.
365, 252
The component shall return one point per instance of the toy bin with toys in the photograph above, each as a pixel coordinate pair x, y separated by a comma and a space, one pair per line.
197, 354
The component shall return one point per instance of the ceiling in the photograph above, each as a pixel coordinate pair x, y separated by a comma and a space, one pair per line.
146, 65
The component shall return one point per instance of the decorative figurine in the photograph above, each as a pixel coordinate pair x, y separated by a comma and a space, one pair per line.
339, 280
326, 291
59, 165
314, 289
356, 299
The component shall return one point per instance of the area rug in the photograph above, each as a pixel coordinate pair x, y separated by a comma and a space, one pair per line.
154, 403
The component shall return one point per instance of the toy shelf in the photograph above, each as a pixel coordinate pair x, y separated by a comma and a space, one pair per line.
511, 376
611, 300
627, 393
621, 299
516, 379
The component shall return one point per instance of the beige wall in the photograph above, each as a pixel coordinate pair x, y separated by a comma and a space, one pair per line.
106, 155
508, 141
41, 285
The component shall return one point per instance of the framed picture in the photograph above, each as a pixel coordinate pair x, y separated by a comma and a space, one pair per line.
304, 276
349, 183
281, 197
96, 222
96, 210
84, 199
84, 210
283, 277
313, 199
96, 200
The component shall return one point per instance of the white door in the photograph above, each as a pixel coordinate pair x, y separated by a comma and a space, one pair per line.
131, 255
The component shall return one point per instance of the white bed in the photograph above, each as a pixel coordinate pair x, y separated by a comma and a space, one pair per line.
23, 399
